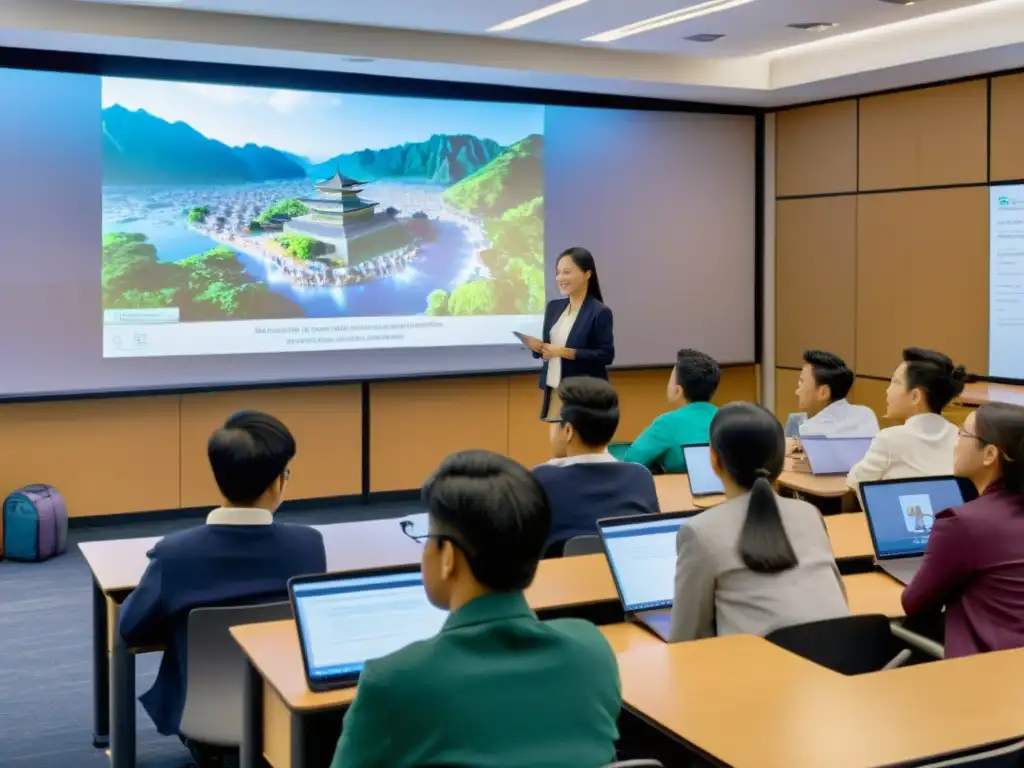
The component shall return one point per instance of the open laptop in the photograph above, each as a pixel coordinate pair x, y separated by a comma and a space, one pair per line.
703, 480
346, 619
833, 455
641, 552
900, 515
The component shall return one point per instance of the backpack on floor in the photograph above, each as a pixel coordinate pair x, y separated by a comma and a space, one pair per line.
35, 524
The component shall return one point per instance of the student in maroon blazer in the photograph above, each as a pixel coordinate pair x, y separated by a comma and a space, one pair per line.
974, 562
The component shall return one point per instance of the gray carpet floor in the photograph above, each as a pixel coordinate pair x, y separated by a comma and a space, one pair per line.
45, 669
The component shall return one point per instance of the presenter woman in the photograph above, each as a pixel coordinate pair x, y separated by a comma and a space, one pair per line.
578, 338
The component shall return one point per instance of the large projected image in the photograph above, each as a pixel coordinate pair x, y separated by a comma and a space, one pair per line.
1006, 282
240, 220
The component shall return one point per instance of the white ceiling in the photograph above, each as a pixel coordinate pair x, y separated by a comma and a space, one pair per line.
760, 62
749, 29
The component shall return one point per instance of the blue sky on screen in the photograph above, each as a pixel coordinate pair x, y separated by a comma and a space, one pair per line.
319, 125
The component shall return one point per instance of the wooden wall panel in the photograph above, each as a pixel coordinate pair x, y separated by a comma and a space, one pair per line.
815, 261
871, 392
928, 137
326, 422
785, 392
1007, 157
414, 425
922, 277
105, 456
816, 149
528, 440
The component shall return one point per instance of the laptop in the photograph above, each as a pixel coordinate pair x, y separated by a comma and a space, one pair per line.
641, 552
833, 455
703, 480
346, 619
900, 515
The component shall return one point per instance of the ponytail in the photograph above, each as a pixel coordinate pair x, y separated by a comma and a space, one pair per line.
764, 545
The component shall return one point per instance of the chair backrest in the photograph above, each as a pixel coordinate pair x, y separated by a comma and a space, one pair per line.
582, 545
851, 645
216, 671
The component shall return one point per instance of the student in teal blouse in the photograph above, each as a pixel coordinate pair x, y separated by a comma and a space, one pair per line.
691, 386
496, 686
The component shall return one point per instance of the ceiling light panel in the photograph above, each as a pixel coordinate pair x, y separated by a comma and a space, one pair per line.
540, 13
666, 19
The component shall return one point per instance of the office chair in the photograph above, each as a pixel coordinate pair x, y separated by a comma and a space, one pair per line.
582, 545
850, 645
216, 671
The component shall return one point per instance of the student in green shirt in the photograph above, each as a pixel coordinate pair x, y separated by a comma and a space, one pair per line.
496, 686
691, 386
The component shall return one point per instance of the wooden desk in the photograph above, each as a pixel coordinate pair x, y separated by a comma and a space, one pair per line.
850, 537
822, 486
674, 494
979, 393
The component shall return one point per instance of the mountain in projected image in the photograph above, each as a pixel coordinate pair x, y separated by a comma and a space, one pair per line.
141, 149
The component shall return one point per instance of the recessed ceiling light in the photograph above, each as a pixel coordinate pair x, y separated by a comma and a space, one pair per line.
532, 16
814, 26
665, 19
704, 38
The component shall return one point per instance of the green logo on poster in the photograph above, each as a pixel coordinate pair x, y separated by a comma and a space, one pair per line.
1004, 201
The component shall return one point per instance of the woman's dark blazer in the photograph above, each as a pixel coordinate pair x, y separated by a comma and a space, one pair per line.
591, 336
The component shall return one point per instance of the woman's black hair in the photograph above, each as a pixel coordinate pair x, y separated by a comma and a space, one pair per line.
1002, 425
751, 447
584, 259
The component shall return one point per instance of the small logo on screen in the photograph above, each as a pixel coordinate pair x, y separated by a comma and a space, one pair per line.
1004, 201
917, 512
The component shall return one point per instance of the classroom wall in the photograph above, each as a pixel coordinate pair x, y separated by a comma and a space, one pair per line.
139, 454
882, 227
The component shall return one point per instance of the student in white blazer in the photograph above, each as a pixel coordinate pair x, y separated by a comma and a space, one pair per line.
924, 444
825, 381
757, 562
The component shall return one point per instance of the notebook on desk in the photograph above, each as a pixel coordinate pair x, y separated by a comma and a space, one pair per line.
900, 514
833, 455
703, 480
641, 552
344, 620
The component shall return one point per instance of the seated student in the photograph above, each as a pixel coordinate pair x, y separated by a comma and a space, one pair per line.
691, 386
496, 687
974, 562
585, 483
824, 382
756, 562
239, 556
923, 384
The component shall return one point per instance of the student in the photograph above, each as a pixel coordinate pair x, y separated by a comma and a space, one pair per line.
691, 386
584, 482
240, 555
756, 562
974, 562
923, 384
825, 381
496, 687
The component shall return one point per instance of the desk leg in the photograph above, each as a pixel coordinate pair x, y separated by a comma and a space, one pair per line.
100, 670
252, 719
122, 705
298, 741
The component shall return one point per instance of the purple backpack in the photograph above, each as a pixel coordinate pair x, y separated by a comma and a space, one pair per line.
35, 524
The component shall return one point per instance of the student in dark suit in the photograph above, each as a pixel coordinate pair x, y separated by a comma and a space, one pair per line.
577, 338
584, 482
240, 556
974, 562
495, 687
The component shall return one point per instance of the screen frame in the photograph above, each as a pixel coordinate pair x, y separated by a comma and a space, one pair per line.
614, 522
107, 65
348, 680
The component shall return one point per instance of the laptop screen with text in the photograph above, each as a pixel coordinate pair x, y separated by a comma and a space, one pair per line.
349, 619
900, 514
703, 480
834, 455
642, 557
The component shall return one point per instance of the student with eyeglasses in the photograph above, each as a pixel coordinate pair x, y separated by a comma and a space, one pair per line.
496, 686
974, 561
